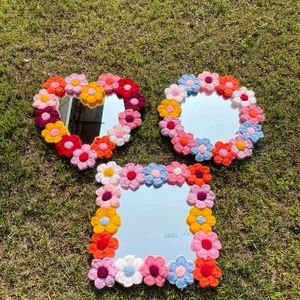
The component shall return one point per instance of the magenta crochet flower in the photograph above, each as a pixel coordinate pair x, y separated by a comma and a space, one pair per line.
183, 142
103, 272
43, 99
130, 118
241, 146
84, 157
206, 245
135, 102
154, 270
252, 113
132, 177
201, 196
75, 83
46, 115
109, 81
208, 82
177, 173
108, 196
170, 127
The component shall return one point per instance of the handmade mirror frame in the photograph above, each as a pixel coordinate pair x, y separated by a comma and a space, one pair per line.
228, 88
92, 94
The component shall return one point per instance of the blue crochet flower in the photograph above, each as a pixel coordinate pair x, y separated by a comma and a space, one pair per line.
190, 83
250, 131
181, 272
202, 149
155, 175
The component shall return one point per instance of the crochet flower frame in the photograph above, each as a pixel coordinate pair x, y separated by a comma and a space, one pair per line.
92, 94
228, 88
153, 270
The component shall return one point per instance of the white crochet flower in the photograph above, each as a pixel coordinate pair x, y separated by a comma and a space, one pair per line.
119, 134
108, 173
176, 92
128, 270
243, 97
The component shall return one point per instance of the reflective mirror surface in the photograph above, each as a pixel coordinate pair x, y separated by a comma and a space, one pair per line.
89, 123
209, 117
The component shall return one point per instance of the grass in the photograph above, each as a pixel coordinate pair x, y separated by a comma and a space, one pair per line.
46, 204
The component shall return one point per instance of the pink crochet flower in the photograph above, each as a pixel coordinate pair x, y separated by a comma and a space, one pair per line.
103, 272
154, 270
109, 81
74, 84
170, 127
130, 118
108, 196
177, 173
43, 99
201, 196
241, 146
84, 157
132, 177
206, 245
252, 113
183, 142
208, 82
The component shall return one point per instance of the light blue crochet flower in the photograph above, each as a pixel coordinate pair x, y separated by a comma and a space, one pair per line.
155, 175
181, 272
202, 149
190, 83
250, 131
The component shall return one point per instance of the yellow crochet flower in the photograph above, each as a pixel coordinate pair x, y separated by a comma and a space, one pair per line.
169, 108
54, 132
106, 219
200, 219
92, 95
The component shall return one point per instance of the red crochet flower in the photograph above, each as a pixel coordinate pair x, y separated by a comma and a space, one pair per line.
55, 85
103, 146
200, 175
126, 88
227, 86
67, 145
223, 154
135, 102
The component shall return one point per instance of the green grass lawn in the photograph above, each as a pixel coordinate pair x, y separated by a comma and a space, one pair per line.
45, 204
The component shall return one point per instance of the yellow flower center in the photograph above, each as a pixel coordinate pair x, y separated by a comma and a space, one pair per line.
44, 98
240, 145
75, 82
108, 172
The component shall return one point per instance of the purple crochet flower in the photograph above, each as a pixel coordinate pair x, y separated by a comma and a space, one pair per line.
46, 115
74, 84
170, 127
201, 196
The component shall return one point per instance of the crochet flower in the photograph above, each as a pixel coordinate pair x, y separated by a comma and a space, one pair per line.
200, 219
241, 147
84, 157
206, 245
154, 270
126, 88
207, 272
201, 196
103, 272
54, 132
243, 97
223, 154
227, 86
252, 113
183, 142
202, 149
92, 95
135, 102
128, 270
108, 173
178, 173
130, 118
67, 145
132, 177
200, 175
208, 82
190, 83
170, 127
109, 81
119, 134
103, 146
106, 219
74, 84
55, 85
43, 99
103, 245
155, 175
108, 196
251, 132
169, 108
46, 115
176, 92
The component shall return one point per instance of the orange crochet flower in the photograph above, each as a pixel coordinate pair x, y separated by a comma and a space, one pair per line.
200, 175
223, 154
227, 86
55, 85
103, 146
207, 272
103, 245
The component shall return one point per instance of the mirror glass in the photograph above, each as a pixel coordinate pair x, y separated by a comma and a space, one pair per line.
89, 123
154, 222
209, 116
